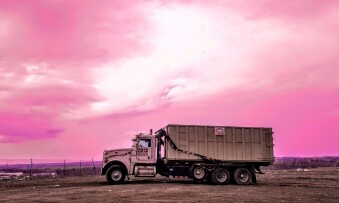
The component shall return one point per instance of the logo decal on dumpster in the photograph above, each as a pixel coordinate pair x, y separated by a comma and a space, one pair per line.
219, 131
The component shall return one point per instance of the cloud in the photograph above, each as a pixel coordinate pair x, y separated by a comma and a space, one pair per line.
39, 104
207, 49
211, 51
291, 11
16, 127
77, 30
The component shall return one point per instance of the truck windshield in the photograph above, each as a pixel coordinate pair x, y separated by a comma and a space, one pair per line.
145, 143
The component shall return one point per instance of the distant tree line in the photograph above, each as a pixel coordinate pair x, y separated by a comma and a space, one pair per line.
282, 163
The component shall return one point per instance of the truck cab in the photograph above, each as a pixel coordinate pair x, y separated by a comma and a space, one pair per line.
138, 161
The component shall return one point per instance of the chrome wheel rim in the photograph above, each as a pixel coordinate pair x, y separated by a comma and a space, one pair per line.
199, 173
116, 175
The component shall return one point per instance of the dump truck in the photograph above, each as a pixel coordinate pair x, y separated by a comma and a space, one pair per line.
217, 154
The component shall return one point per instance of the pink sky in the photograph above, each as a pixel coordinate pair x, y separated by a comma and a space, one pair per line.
78, 77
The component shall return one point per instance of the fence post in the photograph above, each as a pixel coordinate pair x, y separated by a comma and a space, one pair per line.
64, 167
80, 167
30, 171
94, 167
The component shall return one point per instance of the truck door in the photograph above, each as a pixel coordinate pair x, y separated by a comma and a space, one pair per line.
144, 150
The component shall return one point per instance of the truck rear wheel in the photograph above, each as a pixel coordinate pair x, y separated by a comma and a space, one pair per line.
243, 176
220, 176
198, 173
115, 174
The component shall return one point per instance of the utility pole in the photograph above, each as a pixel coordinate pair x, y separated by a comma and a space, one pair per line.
80, 167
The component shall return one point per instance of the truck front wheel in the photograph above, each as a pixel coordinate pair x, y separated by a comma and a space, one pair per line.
115, 174
220, 176
243, 176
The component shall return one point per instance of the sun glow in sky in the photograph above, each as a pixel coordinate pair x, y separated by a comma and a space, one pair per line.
78, 77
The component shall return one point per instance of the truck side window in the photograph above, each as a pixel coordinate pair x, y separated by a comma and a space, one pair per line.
145, 143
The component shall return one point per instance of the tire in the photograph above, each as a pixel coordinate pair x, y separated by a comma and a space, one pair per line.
243, 176
199, 174
115, 174
220, 176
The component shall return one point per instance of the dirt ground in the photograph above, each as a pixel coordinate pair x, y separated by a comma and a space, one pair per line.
316, 185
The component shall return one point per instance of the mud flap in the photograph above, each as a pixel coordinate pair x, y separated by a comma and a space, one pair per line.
254, 178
